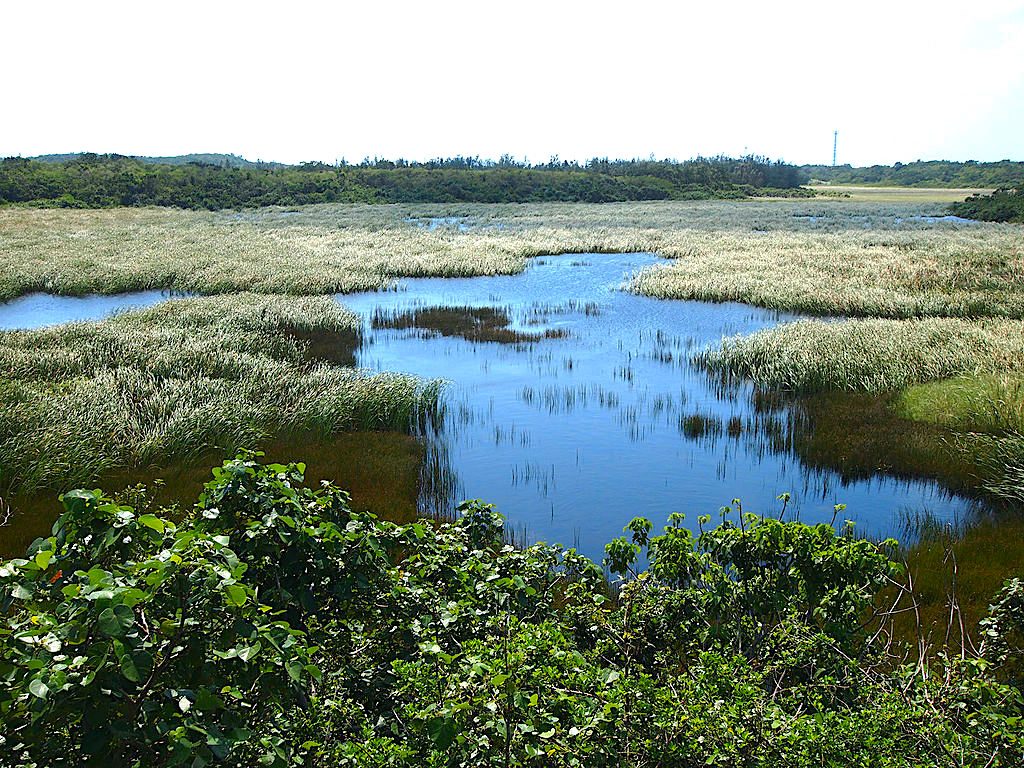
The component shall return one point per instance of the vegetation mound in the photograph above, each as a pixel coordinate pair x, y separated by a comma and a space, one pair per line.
922, 173
1001, 205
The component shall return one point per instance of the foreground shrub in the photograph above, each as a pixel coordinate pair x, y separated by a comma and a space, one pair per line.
276, 626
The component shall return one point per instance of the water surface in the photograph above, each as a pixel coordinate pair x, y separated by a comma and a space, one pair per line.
37, 310
590, 412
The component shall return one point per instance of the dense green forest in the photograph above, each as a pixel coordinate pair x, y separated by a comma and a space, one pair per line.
1001, 205
275, 626
931, 173
114, 180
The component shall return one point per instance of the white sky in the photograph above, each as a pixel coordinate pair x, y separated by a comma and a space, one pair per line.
294, 81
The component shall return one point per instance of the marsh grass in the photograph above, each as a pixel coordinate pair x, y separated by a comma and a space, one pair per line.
885, 273
987, 413
181, 379
991, 403
869, 355
810, 256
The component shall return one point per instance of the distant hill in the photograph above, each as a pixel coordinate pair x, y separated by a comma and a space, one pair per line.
201, 158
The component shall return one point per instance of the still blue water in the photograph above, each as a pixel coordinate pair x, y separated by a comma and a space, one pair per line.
37, 310
571, 437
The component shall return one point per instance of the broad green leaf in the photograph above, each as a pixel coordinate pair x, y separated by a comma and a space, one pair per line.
250, 651
154, 522
38, 688
128, 668
235, 594
442, 732
43, 557
108, 623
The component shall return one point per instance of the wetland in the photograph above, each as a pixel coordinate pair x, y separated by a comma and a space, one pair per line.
790, 365
576, 365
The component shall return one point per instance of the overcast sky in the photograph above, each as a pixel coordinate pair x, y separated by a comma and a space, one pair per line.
294, 81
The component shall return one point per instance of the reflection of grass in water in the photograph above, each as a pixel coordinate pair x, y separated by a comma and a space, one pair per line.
697, 425
379, 469
470, 323
988, 413
858, 435
976, 558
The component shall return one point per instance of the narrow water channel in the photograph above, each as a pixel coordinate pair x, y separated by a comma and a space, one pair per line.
37, 310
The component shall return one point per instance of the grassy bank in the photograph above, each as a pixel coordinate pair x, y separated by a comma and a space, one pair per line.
80, 401
777, 254
954, 272
944, 393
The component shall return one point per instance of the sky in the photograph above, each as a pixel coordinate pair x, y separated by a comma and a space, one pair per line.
300, 81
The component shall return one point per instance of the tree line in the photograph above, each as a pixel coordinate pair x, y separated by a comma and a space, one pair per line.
91, 181
1001, 205
931, 173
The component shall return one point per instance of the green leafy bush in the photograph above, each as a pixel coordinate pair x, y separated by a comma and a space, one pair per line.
275, 626
1001, 205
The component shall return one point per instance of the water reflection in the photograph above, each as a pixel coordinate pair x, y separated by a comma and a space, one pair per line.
590, 412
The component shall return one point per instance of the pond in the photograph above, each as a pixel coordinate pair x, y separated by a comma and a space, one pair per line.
573, 406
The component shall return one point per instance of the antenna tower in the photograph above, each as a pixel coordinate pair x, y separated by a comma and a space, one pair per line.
835, 143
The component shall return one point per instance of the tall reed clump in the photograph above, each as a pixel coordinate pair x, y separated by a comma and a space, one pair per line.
174, 381
868, 355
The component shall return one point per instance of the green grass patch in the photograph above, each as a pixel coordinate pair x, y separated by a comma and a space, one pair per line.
980, 403
868, 355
